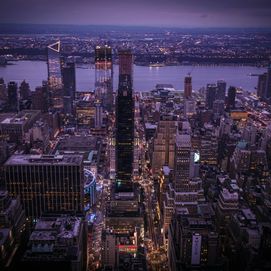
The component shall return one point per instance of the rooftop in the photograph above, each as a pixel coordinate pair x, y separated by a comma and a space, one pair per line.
28, 159
20, 118
54, 228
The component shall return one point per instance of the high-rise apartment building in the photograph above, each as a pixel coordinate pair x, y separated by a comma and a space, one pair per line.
46, 183
125, 123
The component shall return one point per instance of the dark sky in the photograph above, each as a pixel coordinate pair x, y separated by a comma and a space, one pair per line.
181, 13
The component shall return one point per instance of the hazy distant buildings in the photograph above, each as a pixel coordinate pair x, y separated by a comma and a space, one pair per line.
46, 183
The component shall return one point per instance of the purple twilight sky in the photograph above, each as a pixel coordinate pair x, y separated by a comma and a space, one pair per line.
180, 13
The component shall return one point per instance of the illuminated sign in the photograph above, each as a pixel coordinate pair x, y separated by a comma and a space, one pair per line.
238, 115
127, 248
196, 157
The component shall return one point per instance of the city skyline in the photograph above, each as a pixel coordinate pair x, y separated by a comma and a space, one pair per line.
207, 13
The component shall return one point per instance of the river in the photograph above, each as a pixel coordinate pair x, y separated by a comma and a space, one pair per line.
145, 78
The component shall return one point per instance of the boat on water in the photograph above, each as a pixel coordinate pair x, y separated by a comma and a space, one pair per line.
157, 65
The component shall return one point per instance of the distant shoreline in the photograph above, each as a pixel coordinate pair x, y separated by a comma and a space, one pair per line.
158, 66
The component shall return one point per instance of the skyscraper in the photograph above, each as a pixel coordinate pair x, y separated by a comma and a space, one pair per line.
188, 86
211, 93
54, 75
104, 75
231, 97
125, 123
12, 96
261, 85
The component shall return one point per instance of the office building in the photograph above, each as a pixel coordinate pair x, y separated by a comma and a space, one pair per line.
188, 86
54, 76
13, 101
163, 143
104, 76
46, 183
57, 242
40, 98
125, 123
15, 126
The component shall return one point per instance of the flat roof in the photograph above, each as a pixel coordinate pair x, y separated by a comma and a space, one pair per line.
28, 159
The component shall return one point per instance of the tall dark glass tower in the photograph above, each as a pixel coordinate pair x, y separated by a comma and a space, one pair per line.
125, 124
69, 83
13, 96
